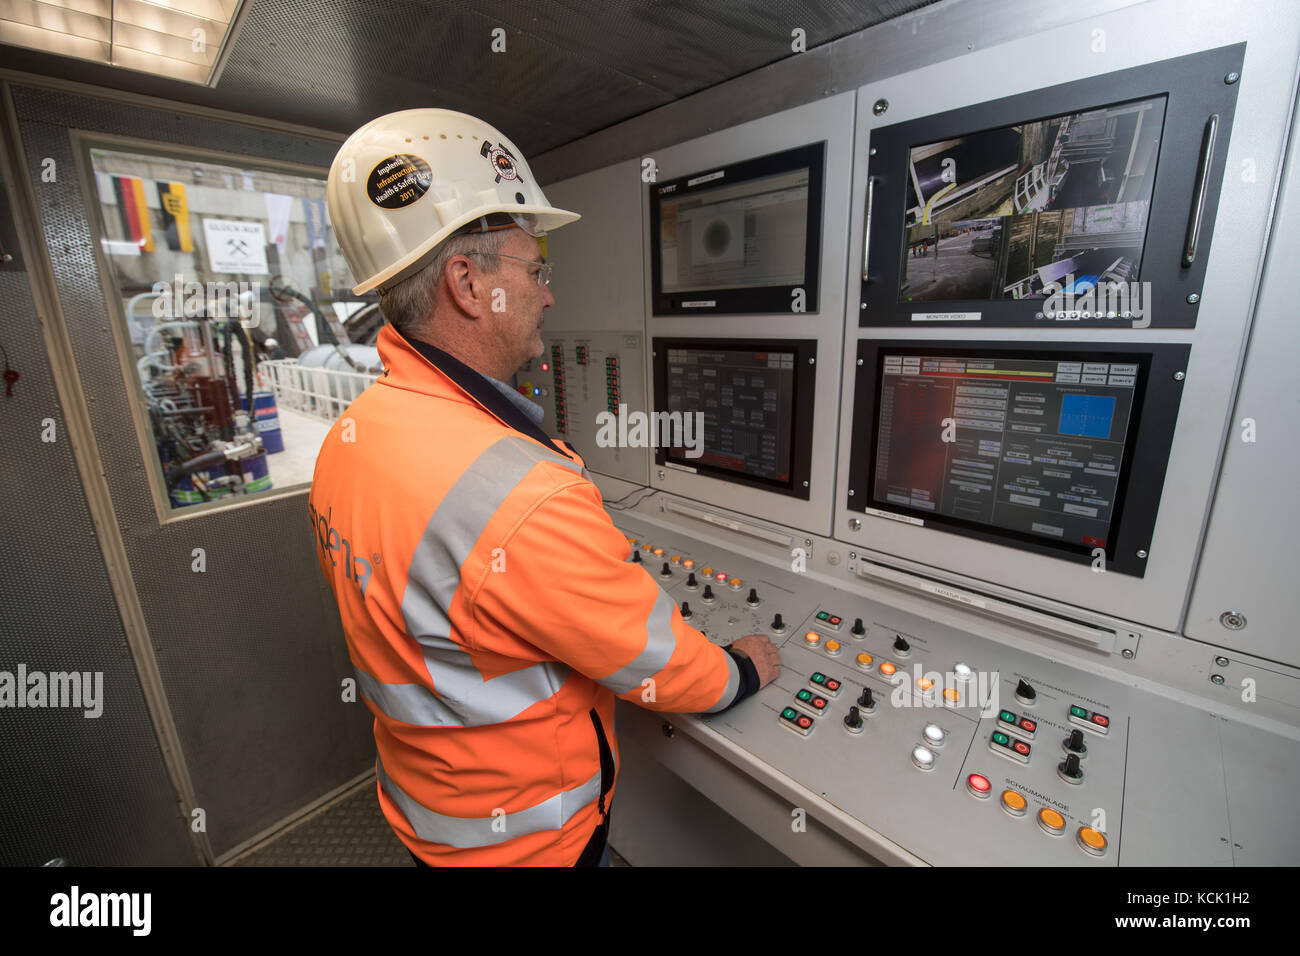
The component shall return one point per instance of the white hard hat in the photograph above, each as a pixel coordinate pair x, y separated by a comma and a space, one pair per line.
270, 342
406, 181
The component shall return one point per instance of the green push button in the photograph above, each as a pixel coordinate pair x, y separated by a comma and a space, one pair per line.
804, 695
1000, 738
822, 615
789, 713
1007, 717
818, 677
1078, 711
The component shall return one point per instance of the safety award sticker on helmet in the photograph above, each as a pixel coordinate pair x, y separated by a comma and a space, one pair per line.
398, 181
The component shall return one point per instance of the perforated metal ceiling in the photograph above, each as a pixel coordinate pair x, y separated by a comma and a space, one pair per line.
569, 68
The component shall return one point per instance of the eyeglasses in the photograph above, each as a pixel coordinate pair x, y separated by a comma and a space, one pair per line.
543, 273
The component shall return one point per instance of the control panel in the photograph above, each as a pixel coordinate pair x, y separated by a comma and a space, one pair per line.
580, 381
956, 747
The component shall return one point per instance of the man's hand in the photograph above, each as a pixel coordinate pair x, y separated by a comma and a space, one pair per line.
760, 650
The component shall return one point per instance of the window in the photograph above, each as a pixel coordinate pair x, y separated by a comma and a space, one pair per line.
246, 342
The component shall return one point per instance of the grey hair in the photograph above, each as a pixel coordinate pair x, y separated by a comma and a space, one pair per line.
408, 305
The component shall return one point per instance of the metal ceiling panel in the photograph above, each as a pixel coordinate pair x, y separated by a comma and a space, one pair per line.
569, 68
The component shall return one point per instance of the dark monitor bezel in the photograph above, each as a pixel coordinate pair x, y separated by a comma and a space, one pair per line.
1193, 87
1142, 471
801, 429
746, 301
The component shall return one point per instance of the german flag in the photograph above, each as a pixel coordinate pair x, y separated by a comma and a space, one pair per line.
133, 209
175, 216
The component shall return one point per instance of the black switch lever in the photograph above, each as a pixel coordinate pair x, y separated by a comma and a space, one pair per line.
1025, 693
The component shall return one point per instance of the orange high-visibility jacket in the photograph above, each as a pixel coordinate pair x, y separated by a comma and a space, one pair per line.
492, 615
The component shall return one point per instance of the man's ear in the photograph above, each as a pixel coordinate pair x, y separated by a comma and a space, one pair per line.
468, 295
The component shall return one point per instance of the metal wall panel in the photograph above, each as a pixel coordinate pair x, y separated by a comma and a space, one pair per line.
1252, 548
92, 790
251, 652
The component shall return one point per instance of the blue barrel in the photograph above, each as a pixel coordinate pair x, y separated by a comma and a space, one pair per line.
257, 476
266, 420
186, 494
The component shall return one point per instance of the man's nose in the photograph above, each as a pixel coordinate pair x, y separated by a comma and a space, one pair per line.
548, 297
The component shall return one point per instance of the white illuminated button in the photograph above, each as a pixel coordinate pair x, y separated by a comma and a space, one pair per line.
923, 757
934, 734
962, 671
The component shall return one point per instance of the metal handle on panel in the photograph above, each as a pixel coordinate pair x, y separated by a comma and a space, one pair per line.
866, 230
1202, 181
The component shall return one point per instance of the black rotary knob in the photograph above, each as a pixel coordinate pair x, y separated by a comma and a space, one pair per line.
708, 592
1075, 744
854, 719
901, 645
667, 572
865, 700
690, 580
858, 629
778, 625
1069, 769
686, 610
1025, 693
636, 557
752, 600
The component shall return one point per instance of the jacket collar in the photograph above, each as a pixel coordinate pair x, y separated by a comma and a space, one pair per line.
416, 365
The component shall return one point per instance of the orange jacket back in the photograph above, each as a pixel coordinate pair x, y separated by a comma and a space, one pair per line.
492, 616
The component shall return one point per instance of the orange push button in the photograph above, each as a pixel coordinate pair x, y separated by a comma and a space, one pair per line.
1014, 802
924, 683
887, 668
832, 647
865, 660
812, 638
951, 696
1051, 821
1091, 841
688, 563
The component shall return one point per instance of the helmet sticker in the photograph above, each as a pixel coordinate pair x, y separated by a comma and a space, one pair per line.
398, 181
502, 160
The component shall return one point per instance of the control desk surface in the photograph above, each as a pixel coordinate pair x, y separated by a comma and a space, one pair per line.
965, 750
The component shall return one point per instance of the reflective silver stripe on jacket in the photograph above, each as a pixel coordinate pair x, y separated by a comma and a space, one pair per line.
660, 641
466, 832
461, 696
732, 688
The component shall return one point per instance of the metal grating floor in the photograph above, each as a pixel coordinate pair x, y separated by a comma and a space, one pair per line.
351, 832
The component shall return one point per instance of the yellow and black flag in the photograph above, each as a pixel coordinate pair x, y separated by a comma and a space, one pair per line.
133, 209
175, 216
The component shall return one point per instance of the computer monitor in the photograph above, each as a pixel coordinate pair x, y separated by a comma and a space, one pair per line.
743, 238
1059, 449
754, 400
1091, 203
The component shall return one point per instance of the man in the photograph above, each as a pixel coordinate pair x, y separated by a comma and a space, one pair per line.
490, 607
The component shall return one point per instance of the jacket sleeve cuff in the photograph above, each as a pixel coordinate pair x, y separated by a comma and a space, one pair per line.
749, 684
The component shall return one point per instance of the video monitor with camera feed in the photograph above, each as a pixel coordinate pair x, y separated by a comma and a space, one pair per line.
1083, 203
741, 411
743, 238
1059, 449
